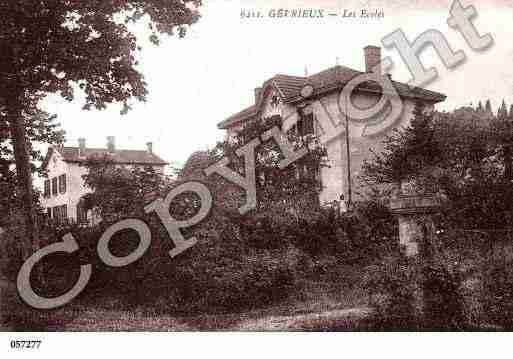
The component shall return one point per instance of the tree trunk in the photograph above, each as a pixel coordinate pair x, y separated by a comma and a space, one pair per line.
24, 174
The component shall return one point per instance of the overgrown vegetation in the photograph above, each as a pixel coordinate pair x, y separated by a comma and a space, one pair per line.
65, 47
269, 256
464, 156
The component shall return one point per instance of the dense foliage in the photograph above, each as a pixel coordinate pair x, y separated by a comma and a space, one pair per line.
464, 155
240, 262
117, 192
69, 46
407, 152
278, 189
42, 129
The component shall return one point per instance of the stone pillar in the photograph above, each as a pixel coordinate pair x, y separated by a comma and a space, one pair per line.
414, 214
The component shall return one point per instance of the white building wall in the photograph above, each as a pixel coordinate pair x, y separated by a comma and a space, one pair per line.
75, 186
362, 138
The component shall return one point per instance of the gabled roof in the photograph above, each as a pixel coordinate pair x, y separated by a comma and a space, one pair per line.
334, 78
195, 165
125, 157
289, 86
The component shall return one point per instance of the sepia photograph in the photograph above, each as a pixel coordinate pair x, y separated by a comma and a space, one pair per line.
273, 168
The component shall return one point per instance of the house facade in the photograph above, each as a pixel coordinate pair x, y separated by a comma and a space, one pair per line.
64, 187
306, 103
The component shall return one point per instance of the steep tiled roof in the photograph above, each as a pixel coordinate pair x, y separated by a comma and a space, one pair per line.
288, 86
331, 79
126, 157
233, 119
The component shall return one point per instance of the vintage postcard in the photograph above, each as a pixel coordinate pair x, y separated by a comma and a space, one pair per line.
244, 165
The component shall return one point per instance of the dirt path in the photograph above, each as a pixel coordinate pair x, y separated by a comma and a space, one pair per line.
340, 319
330, 320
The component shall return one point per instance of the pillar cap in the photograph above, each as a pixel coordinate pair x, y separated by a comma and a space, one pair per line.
415, 204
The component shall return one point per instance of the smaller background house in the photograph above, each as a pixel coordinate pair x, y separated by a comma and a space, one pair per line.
64, 187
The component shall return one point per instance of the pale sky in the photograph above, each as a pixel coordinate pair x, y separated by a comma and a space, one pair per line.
198, 81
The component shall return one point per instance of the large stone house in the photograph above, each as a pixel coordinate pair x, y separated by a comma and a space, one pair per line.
284, 95
64, 187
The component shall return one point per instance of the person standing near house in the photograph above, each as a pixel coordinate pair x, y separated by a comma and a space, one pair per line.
342, 204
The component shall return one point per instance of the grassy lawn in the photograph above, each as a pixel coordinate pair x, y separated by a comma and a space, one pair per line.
318, 307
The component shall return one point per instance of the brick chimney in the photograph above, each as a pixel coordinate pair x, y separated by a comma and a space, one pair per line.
111, 144
258, 93
372, 57
81, 146
149, 146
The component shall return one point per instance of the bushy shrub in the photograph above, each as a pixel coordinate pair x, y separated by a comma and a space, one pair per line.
12, 242
253, 281
12, 251
498, 289
238, 263
390, 287
365, 234
219, 273
222, 273
410, 295
11, 245
443, 298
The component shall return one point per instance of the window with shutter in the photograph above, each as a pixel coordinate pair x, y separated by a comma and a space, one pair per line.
64, 213
47, 188
49, 212
54, 186
62, 184
305, 125
57, 214
46, 191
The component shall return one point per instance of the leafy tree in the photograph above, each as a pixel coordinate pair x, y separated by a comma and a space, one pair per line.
488, 106
7, 189
503, 111
60, 46
278, 188
501, 138
466, 153
118, 192
478, 169
463, 137
41, 128
407, 152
